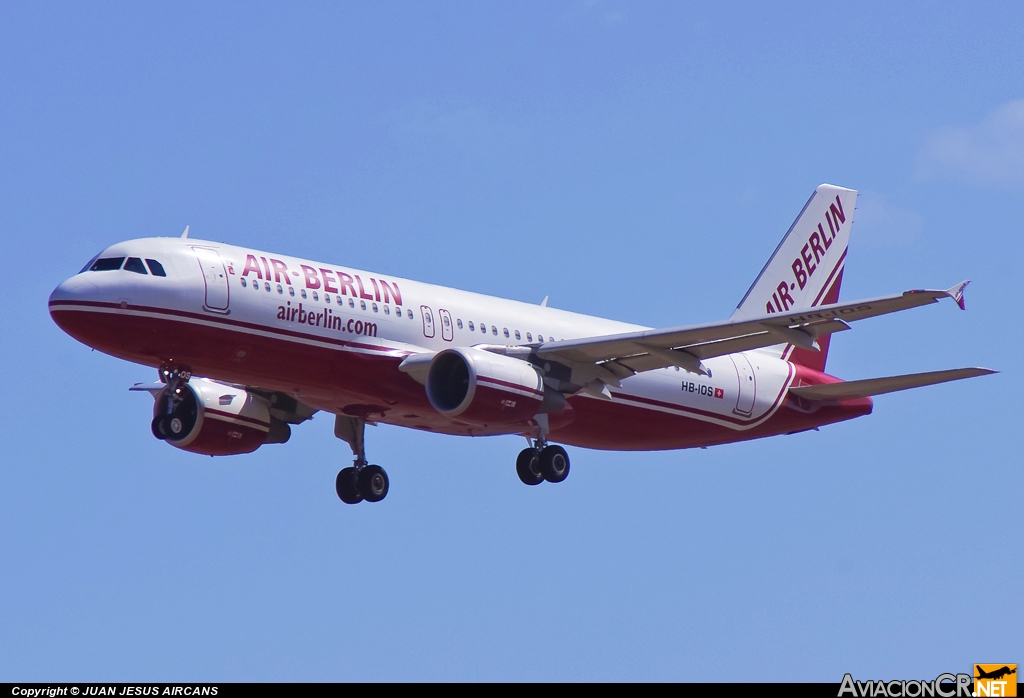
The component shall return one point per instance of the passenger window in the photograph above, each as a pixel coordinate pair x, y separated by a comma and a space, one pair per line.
280, 289
362, 305
315, 297
483, 328
266, 285
374, 307
494, 330
459, 323
351, 303
108, 264
505, 330
156, 267
327, 299
291, 290
517, 335
540, 338
338, 299
387, 311
529, 337
302, 292
472, 327
409, 313
244, 283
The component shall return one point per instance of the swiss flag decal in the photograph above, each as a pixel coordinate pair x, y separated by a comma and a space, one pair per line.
719, 393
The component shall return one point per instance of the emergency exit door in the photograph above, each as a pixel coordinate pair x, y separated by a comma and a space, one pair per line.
428, 321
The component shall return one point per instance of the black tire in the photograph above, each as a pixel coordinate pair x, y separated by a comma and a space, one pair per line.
528, 468
373, 483
346, 487
159, 427
554, 463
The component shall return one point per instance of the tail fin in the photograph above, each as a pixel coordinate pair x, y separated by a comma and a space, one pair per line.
806, 269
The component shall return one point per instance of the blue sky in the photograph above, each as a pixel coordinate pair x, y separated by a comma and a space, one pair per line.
632, 160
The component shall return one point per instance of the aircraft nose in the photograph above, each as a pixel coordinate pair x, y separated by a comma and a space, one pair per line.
77, 288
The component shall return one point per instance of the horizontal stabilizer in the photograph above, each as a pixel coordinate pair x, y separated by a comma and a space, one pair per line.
880, 386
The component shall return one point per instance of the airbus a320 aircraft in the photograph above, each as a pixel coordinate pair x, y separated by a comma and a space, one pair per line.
249, 342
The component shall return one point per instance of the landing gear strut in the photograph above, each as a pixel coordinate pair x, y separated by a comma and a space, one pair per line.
361, 480
542, 461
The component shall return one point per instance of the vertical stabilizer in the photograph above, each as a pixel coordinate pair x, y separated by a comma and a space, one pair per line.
806, 269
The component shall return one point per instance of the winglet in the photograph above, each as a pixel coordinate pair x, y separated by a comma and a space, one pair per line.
544, 303
957, 293
185, 234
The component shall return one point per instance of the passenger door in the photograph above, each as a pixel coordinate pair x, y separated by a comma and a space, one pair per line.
747, 385
215, 277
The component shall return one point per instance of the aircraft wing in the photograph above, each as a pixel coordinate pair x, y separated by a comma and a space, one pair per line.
613, 357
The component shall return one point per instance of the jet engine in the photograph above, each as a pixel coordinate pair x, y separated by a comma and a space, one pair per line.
215, 419
483, 388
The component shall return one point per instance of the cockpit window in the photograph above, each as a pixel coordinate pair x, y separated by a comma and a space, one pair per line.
156, 267
88, 264
107, 264
135, 264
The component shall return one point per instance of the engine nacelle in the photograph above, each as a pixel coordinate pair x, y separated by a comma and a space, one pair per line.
480, 387
215, 419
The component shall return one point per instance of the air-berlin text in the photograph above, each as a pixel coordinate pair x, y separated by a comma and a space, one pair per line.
811, 254
325, 318
330, 280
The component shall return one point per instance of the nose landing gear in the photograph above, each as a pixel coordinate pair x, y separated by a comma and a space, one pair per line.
176, 408
361, 481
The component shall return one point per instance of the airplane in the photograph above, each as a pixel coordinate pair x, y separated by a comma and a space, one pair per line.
249, 343
995, 674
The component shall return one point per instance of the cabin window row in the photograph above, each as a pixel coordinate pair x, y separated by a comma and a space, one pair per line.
471, 326
326, 298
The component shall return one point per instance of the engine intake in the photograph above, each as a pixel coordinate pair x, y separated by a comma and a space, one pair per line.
482, 388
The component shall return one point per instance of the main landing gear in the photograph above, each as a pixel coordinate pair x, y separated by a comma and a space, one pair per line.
542, 461
361, 481
534, 465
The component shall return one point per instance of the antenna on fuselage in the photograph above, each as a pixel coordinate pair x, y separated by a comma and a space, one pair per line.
544, 303
185, 234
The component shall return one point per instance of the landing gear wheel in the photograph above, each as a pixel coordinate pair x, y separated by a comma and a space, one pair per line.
373, 483
346, 486
554, 463
159, 427
528, 467
175, 427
